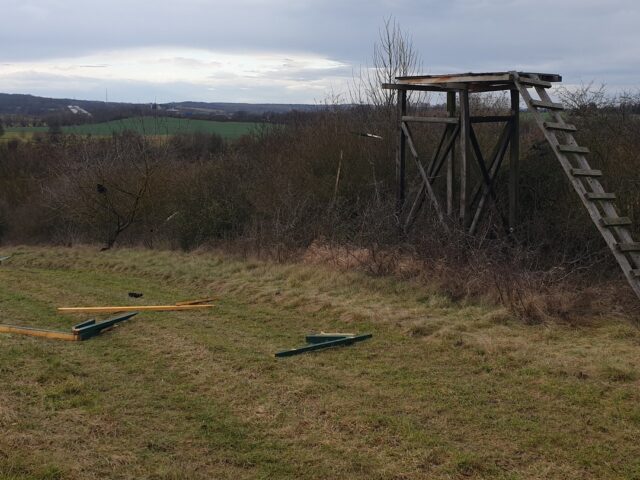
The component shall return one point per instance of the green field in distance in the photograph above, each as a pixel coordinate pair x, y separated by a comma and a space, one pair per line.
145, 125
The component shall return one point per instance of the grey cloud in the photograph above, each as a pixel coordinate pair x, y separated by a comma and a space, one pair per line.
592, 39
57, 86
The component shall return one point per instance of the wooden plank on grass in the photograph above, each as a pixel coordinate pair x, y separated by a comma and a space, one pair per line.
148, 308
196, 302
38, 332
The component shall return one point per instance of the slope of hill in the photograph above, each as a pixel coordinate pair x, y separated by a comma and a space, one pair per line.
33, 106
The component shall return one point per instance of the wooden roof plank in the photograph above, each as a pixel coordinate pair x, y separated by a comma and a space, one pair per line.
473, 77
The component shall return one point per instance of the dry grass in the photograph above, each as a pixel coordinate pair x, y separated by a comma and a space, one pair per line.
443, 390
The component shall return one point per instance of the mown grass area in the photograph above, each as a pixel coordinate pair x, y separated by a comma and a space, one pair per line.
147, 125
443, 390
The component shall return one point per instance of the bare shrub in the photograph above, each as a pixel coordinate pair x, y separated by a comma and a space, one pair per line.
103, 189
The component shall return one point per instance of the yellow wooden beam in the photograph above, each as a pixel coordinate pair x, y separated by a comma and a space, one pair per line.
195, 302
138, 308
37, 332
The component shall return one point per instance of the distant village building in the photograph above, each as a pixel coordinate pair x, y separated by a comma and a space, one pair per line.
76, 110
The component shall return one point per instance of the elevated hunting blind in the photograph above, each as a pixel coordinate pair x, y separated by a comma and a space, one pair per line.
465, 203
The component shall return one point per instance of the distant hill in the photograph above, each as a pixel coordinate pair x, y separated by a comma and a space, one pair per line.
19, 104
252, 108
42, 107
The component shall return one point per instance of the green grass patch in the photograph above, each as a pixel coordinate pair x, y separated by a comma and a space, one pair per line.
147, 125
440, 391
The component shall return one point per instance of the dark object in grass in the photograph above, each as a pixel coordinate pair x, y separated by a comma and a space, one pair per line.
135, 294
322, 340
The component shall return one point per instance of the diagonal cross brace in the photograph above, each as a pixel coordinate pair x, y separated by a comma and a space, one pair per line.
488, 176
433, 169
426, 181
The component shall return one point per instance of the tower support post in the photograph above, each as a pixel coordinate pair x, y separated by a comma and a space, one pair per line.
465, 156
451, 171
514, 160
401, 154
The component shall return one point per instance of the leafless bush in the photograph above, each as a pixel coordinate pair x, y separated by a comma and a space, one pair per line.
104, 188
394, 55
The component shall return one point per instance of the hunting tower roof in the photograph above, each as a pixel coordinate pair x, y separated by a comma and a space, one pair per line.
473, 81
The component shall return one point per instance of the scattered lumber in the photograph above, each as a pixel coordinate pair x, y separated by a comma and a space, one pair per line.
38, 332
130, 308
79, 332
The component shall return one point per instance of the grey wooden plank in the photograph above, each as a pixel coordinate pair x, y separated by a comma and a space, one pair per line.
455, 78
514, 159
615, 221
629, 247
401, 155
408, 118
487, 76
600, 196
585, 172
534, 82
465, 153
564, 127
451, 171
423, 88
547, 104
573, 149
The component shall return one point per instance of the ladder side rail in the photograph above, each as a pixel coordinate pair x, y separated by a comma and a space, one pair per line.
608, 206
579, 187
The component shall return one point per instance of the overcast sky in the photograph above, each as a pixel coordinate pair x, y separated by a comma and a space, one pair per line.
297, 51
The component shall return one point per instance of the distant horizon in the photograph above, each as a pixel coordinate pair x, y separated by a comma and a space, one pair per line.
158, 103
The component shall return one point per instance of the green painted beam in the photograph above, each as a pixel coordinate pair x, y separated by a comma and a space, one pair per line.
328, 344
325, 337
90, 328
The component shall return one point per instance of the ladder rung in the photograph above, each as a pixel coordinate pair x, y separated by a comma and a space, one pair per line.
547, 105
585, 172
600, 196
615, 221
636, 272
534, 82
572, 149
559, 126
629, 247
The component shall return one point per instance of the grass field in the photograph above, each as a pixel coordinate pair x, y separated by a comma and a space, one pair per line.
443, 390
146, 126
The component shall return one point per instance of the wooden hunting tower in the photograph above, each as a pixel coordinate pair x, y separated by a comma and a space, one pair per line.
465, 203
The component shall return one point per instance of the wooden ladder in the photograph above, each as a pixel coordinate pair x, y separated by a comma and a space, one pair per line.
599, 204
